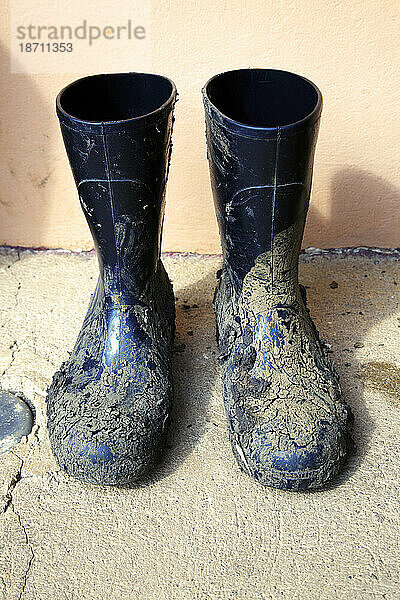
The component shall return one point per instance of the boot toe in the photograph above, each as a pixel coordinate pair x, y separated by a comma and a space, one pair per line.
120, 460
111, 440
112, 458
278, 461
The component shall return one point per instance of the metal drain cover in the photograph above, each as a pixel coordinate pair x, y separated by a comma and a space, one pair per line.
16, 420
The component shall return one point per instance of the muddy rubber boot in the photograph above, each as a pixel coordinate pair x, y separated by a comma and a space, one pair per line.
288, 425
108, 406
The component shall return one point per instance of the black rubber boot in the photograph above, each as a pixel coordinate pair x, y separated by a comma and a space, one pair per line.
288, 426
108, 406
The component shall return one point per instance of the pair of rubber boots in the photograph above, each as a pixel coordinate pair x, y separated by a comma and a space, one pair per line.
109, 405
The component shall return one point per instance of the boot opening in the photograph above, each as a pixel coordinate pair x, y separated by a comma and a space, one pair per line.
263, 97
115, 97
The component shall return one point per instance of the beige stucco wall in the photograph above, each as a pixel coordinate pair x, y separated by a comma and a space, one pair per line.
350, 49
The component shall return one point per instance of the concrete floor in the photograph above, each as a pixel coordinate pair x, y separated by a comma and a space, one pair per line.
199, 528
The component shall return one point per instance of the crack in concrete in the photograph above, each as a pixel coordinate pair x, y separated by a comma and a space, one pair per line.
17, 290
10, 505
35, 433
14, 349
15, 278
15, 253
29, 545
14, 346
15, 479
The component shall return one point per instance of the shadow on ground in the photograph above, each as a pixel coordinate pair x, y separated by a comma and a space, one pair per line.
195, 370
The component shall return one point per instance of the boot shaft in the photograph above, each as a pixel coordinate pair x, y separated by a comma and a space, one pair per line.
117, 134
261, 128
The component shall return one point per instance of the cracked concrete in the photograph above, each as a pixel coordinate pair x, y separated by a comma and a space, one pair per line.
198, 528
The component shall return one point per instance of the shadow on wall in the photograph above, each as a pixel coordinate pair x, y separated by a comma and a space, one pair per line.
361, 204
25, 164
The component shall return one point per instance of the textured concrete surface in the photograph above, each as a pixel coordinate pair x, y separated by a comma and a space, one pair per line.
199, 528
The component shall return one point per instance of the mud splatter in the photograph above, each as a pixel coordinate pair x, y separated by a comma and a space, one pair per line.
382, 377
108, 406
44, 181
282, 393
